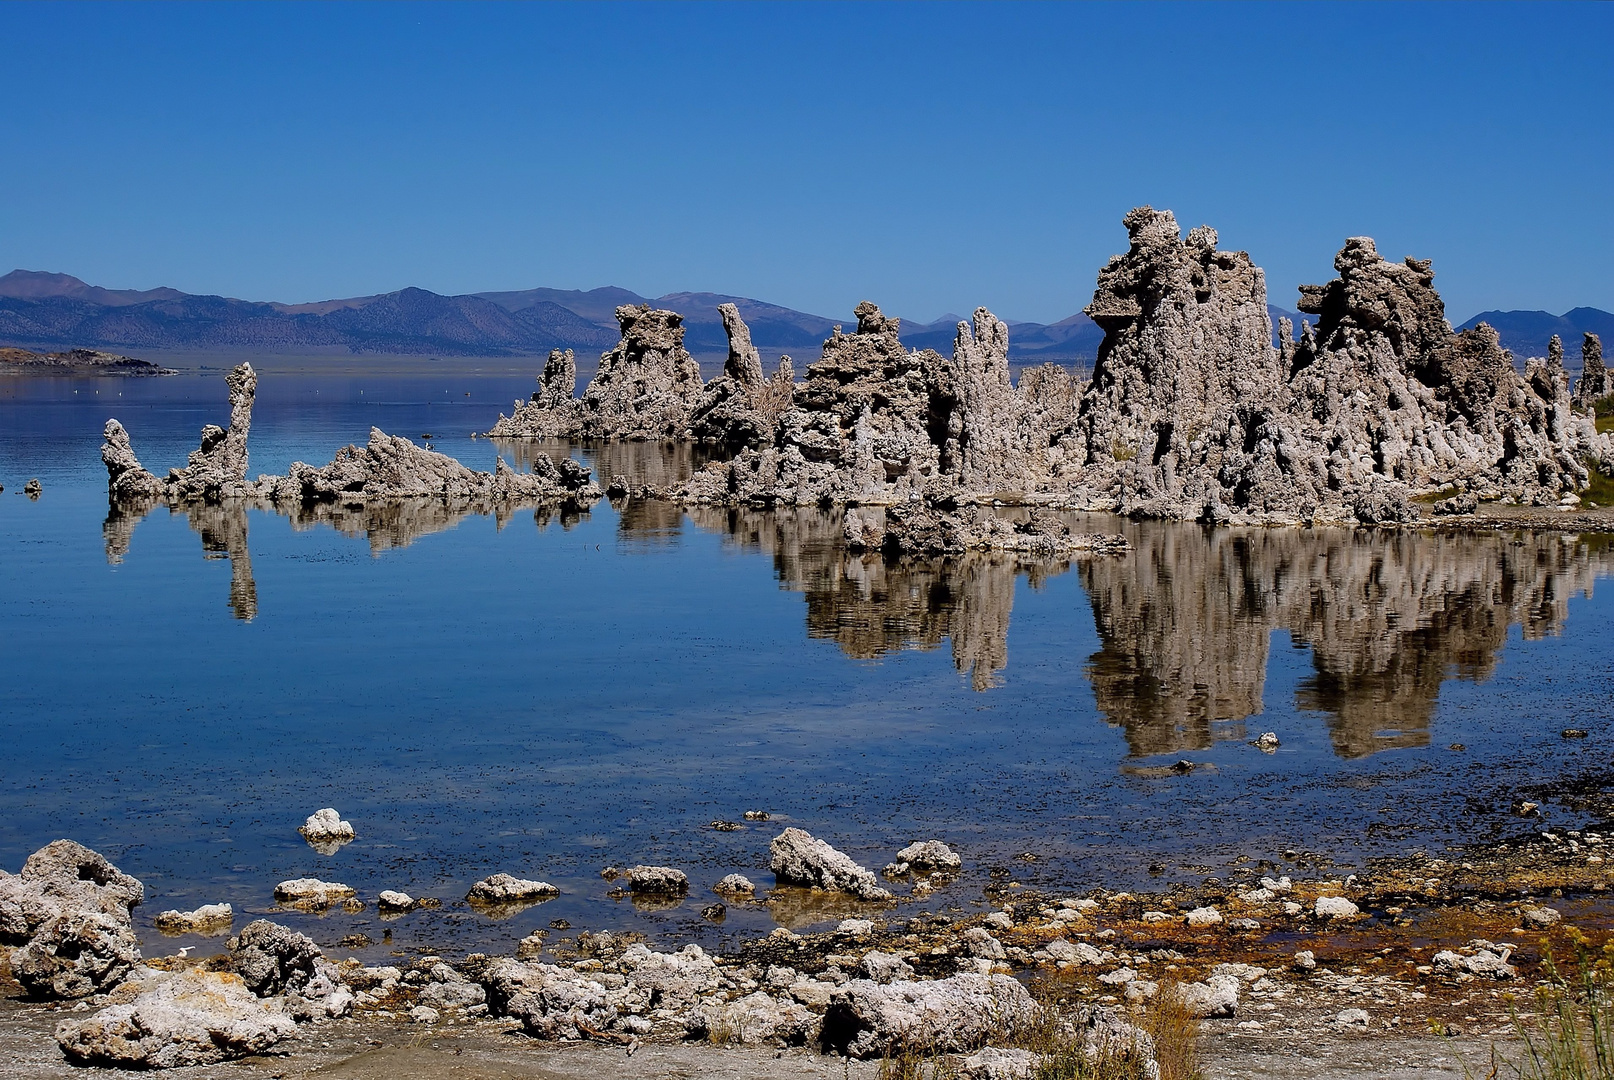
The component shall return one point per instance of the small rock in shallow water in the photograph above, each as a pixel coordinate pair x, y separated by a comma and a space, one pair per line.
658, 881
930, 855
1335, 907
325, 825
32, 489
1574, 733
1267, 742
755, 815
735, 884
311, 892
798, 858
1305, 960
1540, 917
727, 826
390, 900
208, 919
504, 889
1205, 916
714, 912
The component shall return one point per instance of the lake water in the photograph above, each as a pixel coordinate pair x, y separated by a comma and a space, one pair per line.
546, 694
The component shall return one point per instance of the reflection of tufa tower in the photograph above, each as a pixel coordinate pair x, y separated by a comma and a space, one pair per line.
1186, 620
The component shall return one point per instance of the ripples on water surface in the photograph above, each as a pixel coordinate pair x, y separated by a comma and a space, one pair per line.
546, 694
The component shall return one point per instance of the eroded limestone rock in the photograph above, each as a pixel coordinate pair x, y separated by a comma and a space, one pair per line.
192, 1018
69, 911
866, 1018
209, 919
798, 858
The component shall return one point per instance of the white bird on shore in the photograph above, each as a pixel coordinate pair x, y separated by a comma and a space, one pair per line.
186, 951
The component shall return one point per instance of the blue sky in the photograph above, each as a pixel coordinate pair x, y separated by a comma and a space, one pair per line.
930, 158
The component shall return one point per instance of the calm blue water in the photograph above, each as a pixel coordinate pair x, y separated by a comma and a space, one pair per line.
546, 697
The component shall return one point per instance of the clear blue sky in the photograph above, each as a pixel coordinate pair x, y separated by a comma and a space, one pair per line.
931, 158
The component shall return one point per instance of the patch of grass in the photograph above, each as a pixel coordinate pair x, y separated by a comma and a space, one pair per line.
1599, 490
906, 1062
1571, 1034
1603, 409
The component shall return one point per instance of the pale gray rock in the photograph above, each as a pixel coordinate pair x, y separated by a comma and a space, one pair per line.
744, 364
270, 958
326, 825
127, 479
76, 954
312, 893
453, 994
553, 411
69, 911
798, 858
192, 1018
756, 1019
648, 385
883, 967
673, 980
209, 919
981, 944
657, 881
549, 1001
735, 885
506, 889
931, 855
1217, 996
865, 1019
1484, 964
993, 1063
391, 467
1594, 382
218, 468
1540, 917
392, 900
1335, 907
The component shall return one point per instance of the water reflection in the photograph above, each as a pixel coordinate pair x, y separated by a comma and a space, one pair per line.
1187, 617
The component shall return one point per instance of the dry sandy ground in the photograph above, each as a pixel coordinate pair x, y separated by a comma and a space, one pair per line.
491, 1050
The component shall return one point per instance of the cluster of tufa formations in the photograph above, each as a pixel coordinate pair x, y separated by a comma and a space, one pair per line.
1192, 413
387, 469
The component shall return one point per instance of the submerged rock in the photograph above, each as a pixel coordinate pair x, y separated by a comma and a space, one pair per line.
193, 1018
798, 858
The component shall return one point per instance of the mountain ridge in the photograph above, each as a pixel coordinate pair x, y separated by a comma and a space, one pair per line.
39, 308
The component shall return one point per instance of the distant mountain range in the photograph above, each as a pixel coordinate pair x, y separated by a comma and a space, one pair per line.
44, 309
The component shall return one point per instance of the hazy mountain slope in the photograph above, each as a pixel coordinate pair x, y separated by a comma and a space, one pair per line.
1526, 333
48, 309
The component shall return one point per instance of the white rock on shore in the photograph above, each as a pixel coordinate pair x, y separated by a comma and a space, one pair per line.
865, 1018
193, 1018
69, 911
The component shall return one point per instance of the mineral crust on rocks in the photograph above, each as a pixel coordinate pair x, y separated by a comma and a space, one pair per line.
193, 1018
798, 858
646, 387
69, 911
387, 469
866, 1018
326, 824
506, 889
930, 855
658, 881
1594, 382
312, 892
208, 919
740, 408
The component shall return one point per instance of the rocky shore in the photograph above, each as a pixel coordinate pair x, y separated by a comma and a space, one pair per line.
75, 362
1414, 948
